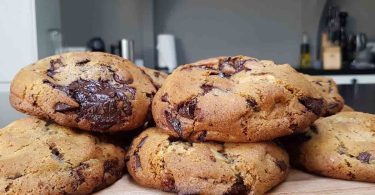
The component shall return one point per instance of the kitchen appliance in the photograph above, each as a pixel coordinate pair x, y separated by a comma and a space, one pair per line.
127, 49
166, 48
96, 44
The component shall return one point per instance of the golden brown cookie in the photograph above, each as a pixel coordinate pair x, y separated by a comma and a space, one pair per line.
160, 161
156, 77
347, 108
236, 99
87, 90
37, 157
340, 146
329, 91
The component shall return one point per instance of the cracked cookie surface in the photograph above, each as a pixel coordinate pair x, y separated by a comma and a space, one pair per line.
340, 146
328, 88
158, 160
236, 99
156, 77
38, 157
87, 90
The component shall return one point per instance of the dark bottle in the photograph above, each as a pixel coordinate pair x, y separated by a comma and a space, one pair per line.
343, 39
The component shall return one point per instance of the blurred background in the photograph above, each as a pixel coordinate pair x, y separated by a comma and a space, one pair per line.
319, 37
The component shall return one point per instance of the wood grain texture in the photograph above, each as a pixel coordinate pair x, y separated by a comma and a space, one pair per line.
298, 183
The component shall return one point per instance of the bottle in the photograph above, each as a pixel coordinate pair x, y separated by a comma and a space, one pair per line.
305, 58
343, 39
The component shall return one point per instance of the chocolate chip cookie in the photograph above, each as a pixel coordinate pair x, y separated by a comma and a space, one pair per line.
329, 91
38, 157
236, 99
87, 90
156, 77
161, 161
340, 146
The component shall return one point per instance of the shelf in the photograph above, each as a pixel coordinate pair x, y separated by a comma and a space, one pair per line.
337, 72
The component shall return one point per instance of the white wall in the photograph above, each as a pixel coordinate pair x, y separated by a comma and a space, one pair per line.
18, 38
47, 17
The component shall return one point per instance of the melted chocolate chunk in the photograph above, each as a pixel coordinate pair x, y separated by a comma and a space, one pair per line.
312, 104
282, 165
238, 187
231, 66
364, 157
173, 122
206, 88
82, 62
54, 64
138, 163
101, 103
187, 109
62, 107
116, 77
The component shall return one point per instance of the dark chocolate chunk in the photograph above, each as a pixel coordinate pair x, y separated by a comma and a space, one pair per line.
56, 154
101, 103
77, 174
54, 64
282, 165
82, 62
364, 157
187, 109
206, 88
173, 122
202, 136
351, 175
168, 184
8, 187
156, 74
251, 103
175, 139
110, 166
165, 97
312, 104
117, 78
318, 83
62, 107
136, 151
137, 161
238, 187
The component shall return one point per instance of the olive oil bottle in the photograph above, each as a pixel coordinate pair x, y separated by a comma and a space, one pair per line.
305, 56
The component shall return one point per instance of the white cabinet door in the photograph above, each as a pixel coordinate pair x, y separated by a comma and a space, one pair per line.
18, 37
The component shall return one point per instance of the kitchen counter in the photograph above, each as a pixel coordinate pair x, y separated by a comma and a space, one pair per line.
298, 182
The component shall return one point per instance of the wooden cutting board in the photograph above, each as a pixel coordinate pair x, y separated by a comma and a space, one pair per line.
298, 182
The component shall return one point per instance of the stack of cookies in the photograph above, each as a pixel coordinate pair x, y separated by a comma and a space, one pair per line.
69, 97
216, 126
217, 119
